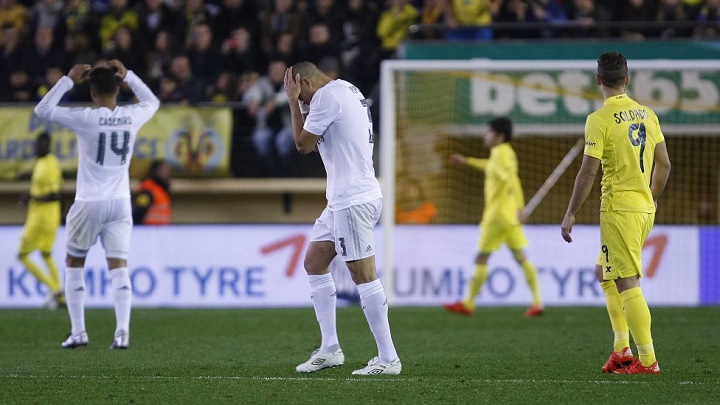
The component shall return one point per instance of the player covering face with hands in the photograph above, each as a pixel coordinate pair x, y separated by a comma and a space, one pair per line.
332, 118
106, 135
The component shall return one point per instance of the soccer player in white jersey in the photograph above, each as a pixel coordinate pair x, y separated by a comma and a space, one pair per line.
106, 135
339, 126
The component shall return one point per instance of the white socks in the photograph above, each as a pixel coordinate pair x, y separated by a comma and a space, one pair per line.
374, 304
324, 298
122, 298
75, 298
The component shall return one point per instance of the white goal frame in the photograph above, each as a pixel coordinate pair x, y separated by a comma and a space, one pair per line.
388, 104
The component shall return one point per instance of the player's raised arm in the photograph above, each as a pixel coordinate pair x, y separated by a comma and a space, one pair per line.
48, 106
139, 88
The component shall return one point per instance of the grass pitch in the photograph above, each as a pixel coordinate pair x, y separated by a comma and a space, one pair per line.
248, 356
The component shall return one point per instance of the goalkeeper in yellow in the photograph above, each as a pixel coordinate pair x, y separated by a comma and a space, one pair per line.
501, 217
43, 219
624, 137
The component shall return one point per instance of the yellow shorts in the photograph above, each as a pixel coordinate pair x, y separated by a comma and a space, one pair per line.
622, 235
493, 234
38, 235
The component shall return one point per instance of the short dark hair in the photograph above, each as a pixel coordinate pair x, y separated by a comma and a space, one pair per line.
612, 69
104, 81
43, 136
502, 125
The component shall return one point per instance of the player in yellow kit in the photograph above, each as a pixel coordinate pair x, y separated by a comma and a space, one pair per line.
43, 218
500, 221
624, 137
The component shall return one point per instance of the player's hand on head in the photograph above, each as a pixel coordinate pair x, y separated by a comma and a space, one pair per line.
457, 159
292, 85
79, 73
120, 69
566, 227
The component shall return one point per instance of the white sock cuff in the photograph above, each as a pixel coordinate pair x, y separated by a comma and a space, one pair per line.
120, 277
371, 288
321, 281
75, 275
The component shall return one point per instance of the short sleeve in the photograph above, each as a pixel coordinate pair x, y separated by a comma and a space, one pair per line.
594, 136
324, 109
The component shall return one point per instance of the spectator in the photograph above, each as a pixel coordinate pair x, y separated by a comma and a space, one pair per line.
119, 15
43, 54
78, 49
239, 53
392, 27
518, 13
708, 18
15, 14
359, 48
285, 49
469, 19
158, 58
121, 47
236, 14
190, 88
195, 12
549, 11
585, 13
412, 206
52, 75
48, 14
267, 102
154, 17
319, 43
634, 10
77, 16
21, 88
151, 202
670, 11
281, 19
223, 89
432, 13
13, 54
325, 12
204, 58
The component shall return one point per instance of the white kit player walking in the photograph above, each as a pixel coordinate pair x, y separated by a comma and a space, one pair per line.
339, 126
106, 136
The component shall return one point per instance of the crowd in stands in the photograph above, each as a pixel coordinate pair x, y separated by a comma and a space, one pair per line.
192, 51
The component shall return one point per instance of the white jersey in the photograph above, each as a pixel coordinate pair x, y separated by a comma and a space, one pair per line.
340, 115
105, 137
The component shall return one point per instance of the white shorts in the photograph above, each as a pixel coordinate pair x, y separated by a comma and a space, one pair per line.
352, 229
111, 220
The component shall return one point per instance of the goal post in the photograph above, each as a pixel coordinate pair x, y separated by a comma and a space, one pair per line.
431, 108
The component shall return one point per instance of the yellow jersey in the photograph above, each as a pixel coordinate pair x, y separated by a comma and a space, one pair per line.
46, 179
623, 134
503, 191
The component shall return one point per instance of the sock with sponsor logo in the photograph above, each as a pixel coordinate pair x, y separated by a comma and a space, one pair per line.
638, 318
481, 274
374, 305
614, 305
75, 298
324, 298
122, 297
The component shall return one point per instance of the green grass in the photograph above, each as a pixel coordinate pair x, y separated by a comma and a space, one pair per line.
249, 356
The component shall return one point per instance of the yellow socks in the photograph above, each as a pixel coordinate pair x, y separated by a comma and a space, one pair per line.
476, 284
39, 274
532, 280
638, 319
614, 305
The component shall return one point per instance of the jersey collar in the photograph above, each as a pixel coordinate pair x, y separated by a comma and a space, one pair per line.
616, 99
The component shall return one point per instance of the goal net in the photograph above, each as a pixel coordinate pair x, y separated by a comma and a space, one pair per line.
431, 109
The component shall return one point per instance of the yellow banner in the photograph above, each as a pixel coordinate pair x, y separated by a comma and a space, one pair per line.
195, 141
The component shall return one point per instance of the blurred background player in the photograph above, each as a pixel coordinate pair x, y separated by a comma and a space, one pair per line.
102, 208
151, 201
625, 137
43, 219
412, 206
500, 221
